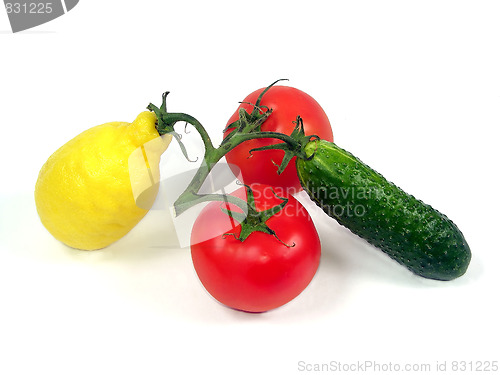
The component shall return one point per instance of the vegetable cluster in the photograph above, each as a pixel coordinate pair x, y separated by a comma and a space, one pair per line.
256, 248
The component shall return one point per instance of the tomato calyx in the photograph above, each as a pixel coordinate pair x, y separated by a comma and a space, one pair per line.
291, 149
251, 122
253, 220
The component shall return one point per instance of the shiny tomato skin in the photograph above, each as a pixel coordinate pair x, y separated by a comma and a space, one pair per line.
287, 103
260, 273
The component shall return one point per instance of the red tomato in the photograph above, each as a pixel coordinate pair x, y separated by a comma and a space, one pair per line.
287, 103
260, 273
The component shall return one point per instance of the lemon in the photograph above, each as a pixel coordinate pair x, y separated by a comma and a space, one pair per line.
88, 193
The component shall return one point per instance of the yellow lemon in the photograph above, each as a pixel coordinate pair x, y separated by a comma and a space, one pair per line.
88, 192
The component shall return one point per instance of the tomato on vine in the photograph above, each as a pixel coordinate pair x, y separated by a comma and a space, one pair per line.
265, 270
286, 104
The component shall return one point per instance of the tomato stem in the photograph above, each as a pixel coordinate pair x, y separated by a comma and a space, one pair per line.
247, 127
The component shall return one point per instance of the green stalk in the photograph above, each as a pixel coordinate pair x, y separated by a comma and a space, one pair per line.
246, 128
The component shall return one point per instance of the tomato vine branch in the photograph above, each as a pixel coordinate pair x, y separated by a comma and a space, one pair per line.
247, 127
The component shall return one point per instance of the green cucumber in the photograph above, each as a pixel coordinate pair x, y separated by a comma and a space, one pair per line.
361, 199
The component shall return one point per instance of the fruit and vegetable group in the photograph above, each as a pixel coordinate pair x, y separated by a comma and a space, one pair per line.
84, 194
261, 272
257, 248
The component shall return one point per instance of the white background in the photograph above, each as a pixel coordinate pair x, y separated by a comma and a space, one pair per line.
412, 88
